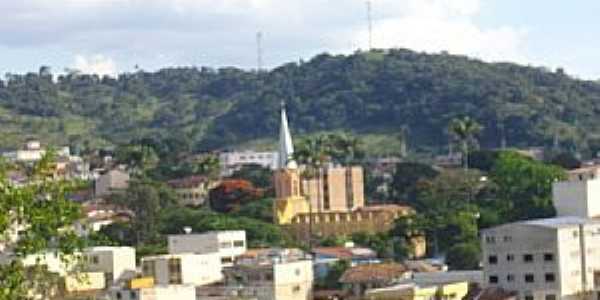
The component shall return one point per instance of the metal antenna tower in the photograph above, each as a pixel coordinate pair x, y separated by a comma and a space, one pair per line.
370, 23
259, 51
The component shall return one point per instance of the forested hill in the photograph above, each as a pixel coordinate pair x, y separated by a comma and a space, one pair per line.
373, 92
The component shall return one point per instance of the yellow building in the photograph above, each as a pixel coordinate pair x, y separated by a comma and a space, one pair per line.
412, 291
330, 203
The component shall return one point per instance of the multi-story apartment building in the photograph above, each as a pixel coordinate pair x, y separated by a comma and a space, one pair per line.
228, 244
185, 268
232, 161
555, 258
272, 274
193, 190
547, 259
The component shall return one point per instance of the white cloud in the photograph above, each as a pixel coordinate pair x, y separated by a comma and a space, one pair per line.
222, 32
95, 64
444, 25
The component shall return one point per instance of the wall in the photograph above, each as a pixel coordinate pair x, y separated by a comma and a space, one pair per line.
293, 280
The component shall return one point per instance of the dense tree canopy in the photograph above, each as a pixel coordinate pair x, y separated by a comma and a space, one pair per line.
391, 92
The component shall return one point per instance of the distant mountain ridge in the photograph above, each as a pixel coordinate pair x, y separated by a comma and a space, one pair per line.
376, 92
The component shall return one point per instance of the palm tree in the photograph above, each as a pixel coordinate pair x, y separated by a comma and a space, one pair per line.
464, 130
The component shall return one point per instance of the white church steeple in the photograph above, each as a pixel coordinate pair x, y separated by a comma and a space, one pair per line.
286, 147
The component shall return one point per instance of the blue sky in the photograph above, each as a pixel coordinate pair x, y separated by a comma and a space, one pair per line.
110, 36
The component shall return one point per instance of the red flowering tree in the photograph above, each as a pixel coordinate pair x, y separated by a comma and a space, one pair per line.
230, 194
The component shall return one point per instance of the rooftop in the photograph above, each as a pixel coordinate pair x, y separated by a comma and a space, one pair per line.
345, 252
387, 272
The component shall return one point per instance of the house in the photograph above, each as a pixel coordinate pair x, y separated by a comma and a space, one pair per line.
154, 292
228, 244
359, 279
111, 181
553, 258
192, 190
325, 257
184, 268
272, 274
416, 291
234, 160
117, 263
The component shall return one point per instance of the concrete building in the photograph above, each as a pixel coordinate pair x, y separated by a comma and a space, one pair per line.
228, 244
117, 263
185, 268
158, 292
272, 274
232, 161
111, 181
555, 258
332, 204
545, 259
193, 190
420, 291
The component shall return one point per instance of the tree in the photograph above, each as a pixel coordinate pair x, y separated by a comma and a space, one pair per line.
407, 176
41, 206
464, 256
523, 187
465, 130
231, 194
258, 175
146, 199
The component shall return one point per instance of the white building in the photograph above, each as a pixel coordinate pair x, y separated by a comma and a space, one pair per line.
185, 268
232, 161
228, 244
273, 274
32, 152
159, 292
117, 263
110, 181
547, 259
555, 258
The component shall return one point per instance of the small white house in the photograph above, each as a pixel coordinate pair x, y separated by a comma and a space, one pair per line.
228, 244
185, 268
117, 263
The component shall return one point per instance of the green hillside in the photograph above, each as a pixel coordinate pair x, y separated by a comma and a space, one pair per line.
375, 94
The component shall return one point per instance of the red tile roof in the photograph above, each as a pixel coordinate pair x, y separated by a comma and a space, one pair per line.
387, 272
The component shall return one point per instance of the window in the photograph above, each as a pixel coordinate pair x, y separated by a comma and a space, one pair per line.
493, 259
549, 277
510, 277
507, 238
132, 294
550, 297
510, 257
493, 279
119, 295
225, 245
296, 289
528, 297
529, 278
175, 271
490, 239
548, 257
95, 259
528, 258
226, 260
238, 244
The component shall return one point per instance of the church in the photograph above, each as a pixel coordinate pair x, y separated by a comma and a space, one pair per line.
329, 203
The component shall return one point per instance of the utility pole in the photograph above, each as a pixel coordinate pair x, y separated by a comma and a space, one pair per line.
259, 51
370, 24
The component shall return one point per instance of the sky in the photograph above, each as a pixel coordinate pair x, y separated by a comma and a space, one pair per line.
112, 36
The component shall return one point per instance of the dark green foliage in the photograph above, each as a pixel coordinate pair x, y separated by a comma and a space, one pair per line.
259, 209
367, 92
406, 178
258, 233
566, 160
464, 256
336, 270
483, 159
